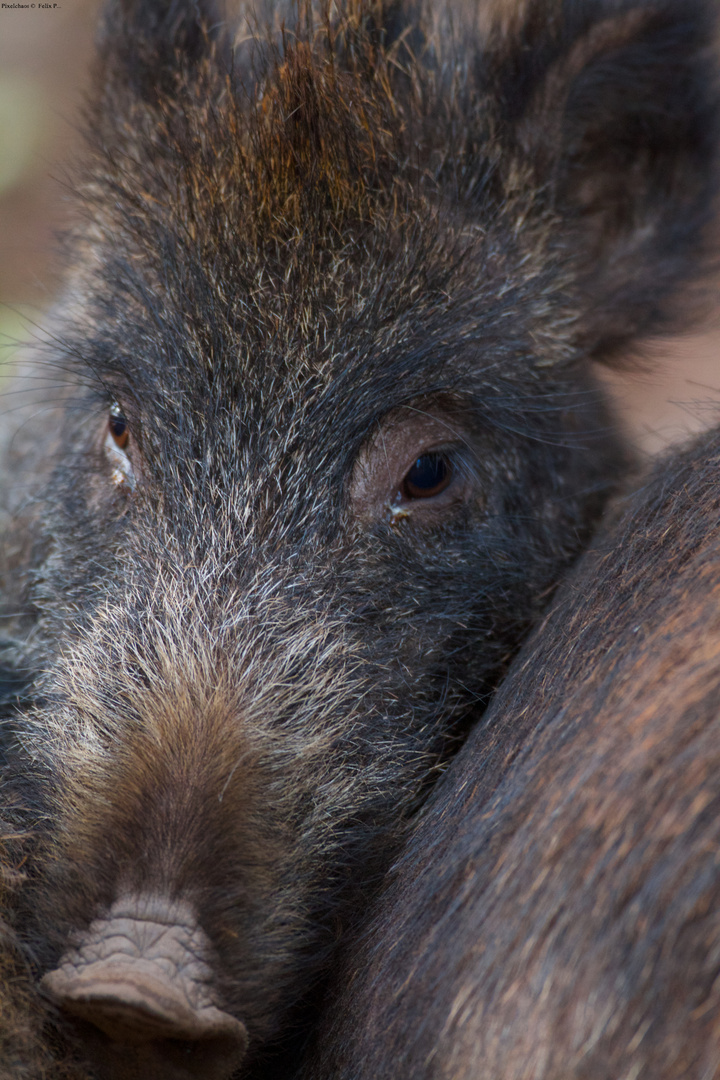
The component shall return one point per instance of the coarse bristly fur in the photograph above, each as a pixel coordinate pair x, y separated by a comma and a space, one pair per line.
315, 247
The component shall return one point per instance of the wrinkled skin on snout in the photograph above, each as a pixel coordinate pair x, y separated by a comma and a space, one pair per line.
325, 440
139, 979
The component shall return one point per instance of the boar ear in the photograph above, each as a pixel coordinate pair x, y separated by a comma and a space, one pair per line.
612, 107
144, 44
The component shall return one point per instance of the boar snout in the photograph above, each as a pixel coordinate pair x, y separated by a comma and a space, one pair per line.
139, 983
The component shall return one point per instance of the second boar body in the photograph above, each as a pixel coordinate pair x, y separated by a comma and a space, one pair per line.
324, 438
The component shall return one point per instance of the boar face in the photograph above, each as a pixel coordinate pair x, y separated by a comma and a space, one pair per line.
325, 442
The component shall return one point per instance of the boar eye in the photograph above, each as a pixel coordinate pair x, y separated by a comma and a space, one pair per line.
430, 475
118, 427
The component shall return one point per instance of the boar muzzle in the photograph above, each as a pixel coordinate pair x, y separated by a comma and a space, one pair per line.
139, 982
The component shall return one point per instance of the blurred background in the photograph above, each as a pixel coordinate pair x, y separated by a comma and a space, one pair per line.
45, 56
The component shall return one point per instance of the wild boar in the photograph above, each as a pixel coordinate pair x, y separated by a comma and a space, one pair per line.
556, 913
324, 437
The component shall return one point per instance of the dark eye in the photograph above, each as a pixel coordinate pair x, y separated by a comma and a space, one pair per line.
118, 427
430, 475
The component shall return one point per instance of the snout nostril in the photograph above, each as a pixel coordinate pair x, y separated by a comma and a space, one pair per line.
139, 1021
139, 984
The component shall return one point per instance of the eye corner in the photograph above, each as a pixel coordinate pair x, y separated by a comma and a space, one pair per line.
397, 511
